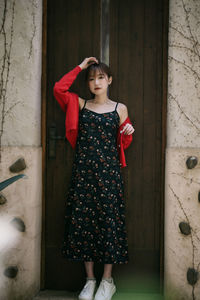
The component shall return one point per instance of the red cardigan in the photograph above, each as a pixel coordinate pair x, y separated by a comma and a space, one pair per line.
69, 103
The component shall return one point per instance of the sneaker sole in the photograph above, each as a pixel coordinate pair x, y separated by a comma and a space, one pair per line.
85, 298
113, 291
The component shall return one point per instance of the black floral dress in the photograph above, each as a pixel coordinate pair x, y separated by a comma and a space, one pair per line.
95, 210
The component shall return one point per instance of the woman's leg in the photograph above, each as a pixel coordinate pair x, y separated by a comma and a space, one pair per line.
89, 268
89, 287
107, 271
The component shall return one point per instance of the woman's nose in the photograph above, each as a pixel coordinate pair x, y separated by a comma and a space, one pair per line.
96, 80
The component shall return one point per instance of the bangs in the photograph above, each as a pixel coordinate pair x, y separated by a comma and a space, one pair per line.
94, 68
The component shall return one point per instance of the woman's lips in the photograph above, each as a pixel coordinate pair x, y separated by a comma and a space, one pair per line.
97, 88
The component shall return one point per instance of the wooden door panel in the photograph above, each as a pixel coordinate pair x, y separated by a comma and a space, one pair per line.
73, 32
136, 50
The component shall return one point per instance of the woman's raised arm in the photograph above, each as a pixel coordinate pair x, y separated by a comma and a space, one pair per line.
61, 87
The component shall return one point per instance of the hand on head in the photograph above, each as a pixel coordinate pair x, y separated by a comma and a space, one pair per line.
87, 62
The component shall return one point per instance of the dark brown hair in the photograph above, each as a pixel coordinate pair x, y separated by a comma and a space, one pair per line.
97, 67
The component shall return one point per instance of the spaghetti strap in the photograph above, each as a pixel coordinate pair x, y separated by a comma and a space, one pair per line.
84, 104
116, 105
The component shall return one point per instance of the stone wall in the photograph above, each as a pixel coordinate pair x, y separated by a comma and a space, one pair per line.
20, 118
182, 185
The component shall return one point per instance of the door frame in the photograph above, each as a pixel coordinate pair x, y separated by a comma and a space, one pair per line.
43, 136
165, 31
164, 131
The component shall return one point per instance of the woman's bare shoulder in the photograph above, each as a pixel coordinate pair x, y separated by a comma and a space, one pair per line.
81, 102
122, 106
123, 112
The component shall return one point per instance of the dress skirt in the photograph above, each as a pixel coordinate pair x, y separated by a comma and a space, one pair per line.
95, 227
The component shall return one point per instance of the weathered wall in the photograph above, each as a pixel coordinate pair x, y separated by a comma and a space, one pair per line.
182, 185
20, 115
20, 50
24, 202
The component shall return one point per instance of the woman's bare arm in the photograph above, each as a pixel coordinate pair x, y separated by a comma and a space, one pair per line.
123, 114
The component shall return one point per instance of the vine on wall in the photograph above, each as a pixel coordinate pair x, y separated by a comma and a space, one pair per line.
188, 46
8, 15
7, 38
185, 55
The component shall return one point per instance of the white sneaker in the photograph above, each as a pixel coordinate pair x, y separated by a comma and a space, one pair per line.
105, 290
88, 290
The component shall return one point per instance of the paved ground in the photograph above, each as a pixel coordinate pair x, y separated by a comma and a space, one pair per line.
136, 287
63, 295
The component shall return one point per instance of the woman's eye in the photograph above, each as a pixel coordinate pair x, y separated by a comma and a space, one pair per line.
91, 79
101, 77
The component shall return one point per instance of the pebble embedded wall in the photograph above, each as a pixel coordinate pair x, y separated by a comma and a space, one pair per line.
20, 225
182, 184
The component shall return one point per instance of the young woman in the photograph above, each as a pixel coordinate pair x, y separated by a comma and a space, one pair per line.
99, 129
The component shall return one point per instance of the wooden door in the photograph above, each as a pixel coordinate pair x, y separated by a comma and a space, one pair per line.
137, 54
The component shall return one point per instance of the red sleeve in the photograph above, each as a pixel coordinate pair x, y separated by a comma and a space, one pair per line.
61, 87
126, 138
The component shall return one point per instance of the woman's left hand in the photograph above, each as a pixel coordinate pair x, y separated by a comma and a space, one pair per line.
127, 129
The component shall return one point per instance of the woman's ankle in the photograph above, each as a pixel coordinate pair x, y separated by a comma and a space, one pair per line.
109, 279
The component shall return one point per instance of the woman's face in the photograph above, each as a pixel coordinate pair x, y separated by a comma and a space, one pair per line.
98, 82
